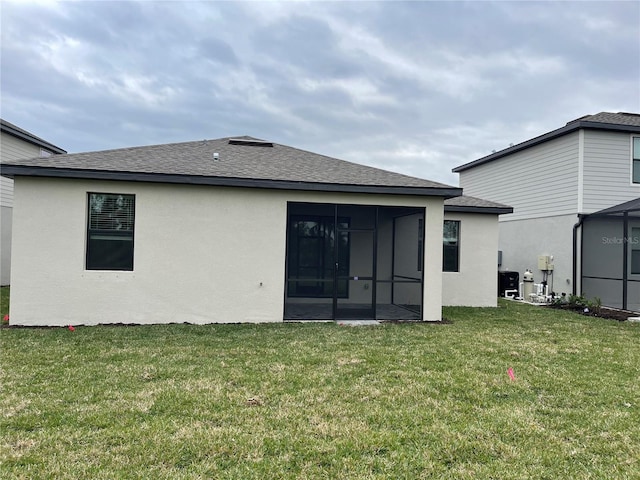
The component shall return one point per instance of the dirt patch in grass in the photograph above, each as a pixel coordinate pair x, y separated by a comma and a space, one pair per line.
444, 321
602, 312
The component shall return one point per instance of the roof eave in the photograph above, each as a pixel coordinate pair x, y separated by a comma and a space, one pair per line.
470, 209
571, 127
31, 139
32, 171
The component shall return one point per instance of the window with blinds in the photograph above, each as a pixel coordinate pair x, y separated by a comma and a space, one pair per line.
110, 227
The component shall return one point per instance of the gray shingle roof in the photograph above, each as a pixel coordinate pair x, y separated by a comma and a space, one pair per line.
620, 118
276, 166
621, 121
465, 203
16, 131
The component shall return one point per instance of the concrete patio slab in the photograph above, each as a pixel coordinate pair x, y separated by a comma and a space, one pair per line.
358, 323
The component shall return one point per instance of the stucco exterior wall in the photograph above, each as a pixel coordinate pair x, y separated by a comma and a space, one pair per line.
432, 269
202, 254
11, 148
5, 241
523, 241
476, 284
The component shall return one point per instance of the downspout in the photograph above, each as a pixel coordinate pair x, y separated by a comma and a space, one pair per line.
575, 254
625, 259
580, 216
393, 260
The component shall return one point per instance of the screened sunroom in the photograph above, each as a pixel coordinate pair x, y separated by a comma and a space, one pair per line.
354, 262
610, 256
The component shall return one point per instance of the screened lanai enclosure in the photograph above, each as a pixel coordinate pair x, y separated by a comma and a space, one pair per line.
610, 256
354, 262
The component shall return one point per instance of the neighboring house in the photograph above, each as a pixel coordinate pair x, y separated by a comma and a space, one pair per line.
15, 143
552, 182
226, 230
470, 256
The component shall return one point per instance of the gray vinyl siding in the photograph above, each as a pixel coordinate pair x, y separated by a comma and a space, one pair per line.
541, 181
607, 170
6, 192
12, 148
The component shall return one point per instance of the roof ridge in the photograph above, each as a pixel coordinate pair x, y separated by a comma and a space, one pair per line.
154, 145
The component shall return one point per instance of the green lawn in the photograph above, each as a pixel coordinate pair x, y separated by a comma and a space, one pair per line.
4, 301
326, 401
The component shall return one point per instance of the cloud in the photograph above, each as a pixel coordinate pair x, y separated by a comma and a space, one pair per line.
416, 87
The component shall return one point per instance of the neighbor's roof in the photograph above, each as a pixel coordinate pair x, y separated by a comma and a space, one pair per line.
241, 161
621, 121
18, 132
469, 204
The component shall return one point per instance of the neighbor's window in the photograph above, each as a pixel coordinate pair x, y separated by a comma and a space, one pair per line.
110, 231
635, 251
636, 160
451, 246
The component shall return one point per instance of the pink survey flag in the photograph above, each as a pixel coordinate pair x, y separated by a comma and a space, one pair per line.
71, 327
510, 372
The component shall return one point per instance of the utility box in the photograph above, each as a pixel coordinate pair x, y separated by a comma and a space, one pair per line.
545, 263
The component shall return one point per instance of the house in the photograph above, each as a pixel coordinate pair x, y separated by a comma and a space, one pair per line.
226, 230
553, 182
15, 143
240, 230
470, 256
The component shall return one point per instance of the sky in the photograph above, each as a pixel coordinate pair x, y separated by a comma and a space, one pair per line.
412, 87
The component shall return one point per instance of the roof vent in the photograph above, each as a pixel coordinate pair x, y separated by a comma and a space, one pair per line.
250, 142
216, 156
